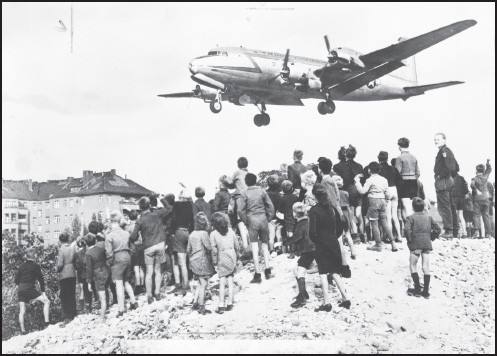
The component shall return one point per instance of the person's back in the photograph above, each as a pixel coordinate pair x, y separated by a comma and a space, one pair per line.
286, 207
182, 216
66, 262
117, 241
375, 187
149, 225
480, 182
200, 205
344, 199
460, 188
256, 199
407, 165
419, 227
222, 201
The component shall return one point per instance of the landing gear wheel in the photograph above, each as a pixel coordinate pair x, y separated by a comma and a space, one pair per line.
330, 106
258, 120
322, 108
215, 106
265, 119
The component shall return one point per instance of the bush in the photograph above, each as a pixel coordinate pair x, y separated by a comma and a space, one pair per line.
12, 259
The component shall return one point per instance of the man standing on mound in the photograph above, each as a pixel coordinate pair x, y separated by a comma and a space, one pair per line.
256, 210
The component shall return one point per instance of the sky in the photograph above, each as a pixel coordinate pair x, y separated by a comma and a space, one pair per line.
97, 108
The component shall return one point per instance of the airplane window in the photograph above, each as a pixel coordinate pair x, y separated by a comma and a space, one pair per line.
225, 54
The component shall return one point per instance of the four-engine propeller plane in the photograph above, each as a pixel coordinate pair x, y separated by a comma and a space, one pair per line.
243, 76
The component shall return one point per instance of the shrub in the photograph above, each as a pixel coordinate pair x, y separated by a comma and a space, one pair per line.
12, 258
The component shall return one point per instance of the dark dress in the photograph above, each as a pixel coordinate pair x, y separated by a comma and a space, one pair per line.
324, 230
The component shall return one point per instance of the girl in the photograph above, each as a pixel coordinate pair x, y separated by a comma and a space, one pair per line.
420, 231
199, 252
225, 255
324, 229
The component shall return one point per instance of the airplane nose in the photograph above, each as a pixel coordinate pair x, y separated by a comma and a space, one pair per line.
192, 67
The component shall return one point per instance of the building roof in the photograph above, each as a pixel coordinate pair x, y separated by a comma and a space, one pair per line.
97, 183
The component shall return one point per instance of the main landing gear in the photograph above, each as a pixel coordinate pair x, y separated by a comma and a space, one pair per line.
262, 119
326, 107
215, 104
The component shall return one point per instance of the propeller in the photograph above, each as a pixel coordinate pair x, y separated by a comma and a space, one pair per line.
285, 71
331, 54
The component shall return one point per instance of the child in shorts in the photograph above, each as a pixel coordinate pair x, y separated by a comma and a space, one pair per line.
420, 230
225, 256
344, 204
199, 253
26, 276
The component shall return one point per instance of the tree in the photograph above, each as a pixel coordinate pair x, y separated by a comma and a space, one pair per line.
85, 229
76, 227
264, 175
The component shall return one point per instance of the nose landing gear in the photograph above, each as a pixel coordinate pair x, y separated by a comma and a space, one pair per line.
262, 119
326, 107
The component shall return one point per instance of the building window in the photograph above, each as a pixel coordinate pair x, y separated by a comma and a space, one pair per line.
71, 217
47, 220
39, 228
65, 218
34, 206
7, 203
40, 213
101, 215
7, 218
56, 234
82, 201
56, 219
64, 204
56, 204
71, 203
47, 205
14, 218
34, 221
47, 234
82, 217
101, 199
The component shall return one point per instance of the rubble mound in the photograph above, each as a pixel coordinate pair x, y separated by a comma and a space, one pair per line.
459, 317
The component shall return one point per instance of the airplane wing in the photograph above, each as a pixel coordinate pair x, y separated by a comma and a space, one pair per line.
408, 48
187, 94
362, 79
419, 90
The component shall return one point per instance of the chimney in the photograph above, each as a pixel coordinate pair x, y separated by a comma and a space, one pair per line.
87, 176
30, 185
113, 172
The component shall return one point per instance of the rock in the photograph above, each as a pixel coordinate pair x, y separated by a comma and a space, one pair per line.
408, 326
164, 317
295, 322
383, 347
423, 336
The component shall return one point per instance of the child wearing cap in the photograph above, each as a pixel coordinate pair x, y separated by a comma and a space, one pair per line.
199, 252
26, 276
286, 208
421, 229
256, 210
225, 256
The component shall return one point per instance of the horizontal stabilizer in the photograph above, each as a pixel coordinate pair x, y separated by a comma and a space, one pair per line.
419, 90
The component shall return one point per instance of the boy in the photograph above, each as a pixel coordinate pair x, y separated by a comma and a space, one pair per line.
25, 279
200, 204
286, 208
256, 210
481, 202
376, 187
305, 249
137, 255
469, 214
421, 229
273, 191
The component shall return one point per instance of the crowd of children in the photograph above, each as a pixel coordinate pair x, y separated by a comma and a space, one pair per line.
314, 212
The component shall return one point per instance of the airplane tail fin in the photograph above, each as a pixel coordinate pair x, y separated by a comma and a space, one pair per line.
419, 90
408, 72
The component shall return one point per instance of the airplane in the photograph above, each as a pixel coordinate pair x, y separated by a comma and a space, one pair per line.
244, 76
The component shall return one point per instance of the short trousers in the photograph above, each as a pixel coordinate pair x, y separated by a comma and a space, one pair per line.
377, 209
409, 189
306, 259
156, 254
355, 199
121, 266
418, 252
459, 202
393, 193
138, 256
468, 216
101, 279
258, 228
180, 242
27, 292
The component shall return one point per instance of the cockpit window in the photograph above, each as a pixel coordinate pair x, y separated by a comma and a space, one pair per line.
217, 53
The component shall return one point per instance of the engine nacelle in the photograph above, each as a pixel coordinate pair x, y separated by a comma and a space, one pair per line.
346, 57
246, 99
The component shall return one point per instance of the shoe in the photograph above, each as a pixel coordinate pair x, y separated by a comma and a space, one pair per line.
46, 325
345, 304
176, 289
413, 292
353, 257
447, 235
120, 314
397, 240
196, 306
257, 278
65, 322
374, 248
187, 289
170, 282
326, 308
88, 308
395, 249
229, 307
426, 295
133, 306
267, 273
203, 311
158, 297
346, 272
220, 310
299, 302
150, 300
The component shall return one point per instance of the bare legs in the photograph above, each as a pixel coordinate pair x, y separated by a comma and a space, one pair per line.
395, 217
151, 269
139, 275
183, 268
255, 253
46, 310
120, 286
324, 287
340, 286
